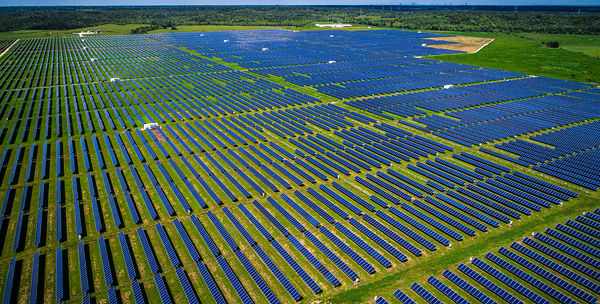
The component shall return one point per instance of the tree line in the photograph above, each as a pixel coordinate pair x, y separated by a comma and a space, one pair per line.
565, 21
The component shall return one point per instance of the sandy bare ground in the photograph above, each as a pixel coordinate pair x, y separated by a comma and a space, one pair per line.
465, 44
158, 135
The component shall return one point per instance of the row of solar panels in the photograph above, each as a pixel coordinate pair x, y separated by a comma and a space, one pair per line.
581, 169
358, 226
164, 88
256, 151
94, 66
469, 135
382, 71
534, 264
527, 196
414, 82
290, 117
100, 120
403, 104
97, 147
325, 68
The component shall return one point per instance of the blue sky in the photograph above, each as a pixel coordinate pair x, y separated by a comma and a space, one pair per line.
291, 2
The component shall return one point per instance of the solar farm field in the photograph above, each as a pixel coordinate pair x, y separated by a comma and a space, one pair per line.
275, 166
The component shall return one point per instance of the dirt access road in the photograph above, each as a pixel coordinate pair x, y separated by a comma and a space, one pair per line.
8, 48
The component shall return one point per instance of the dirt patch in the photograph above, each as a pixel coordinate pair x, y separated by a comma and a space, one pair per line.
158, 136
465, 44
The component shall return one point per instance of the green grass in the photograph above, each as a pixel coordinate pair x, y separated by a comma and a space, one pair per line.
525, 53
118, 29
384, 282
590, 50
107, 29
585, 44
563, 39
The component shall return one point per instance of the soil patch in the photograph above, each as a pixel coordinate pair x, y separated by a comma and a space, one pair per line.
465, 44
158, 135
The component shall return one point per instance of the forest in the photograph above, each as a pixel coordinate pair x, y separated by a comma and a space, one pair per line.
501, 19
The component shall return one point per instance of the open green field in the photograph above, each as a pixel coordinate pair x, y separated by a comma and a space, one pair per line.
107, 29
593, 51
115, 29
585, 44
574, 60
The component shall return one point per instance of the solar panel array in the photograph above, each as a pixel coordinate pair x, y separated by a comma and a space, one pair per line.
544, 268
279, 165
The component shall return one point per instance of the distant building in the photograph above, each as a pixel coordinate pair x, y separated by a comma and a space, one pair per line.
150, 126
335, 25
87, 33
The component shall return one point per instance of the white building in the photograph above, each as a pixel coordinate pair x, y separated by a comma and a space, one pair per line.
334, 25
150, 126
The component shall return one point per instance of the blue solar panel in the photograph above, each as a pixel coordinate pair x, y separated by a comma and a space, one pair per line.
380, 241
520, 288
35, 280
137, 292
256, 223
402, 297
430, 298
205, 236
10, 277
331, 255
452, 212
188, 290
162, 289
150, 257
126, 251
59, 276
210, 283
545, 274
555, 266
491, 286
466, 286
106, 266
233, 279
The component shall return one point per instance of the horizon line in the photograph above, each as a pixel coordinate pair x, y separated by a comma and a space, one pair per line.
308, 5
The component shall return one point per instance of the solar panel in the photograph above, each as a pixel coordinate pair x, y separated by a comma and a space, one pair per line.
150, 257
162, 289
166, 241
10, 281
35, 282
59, 276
